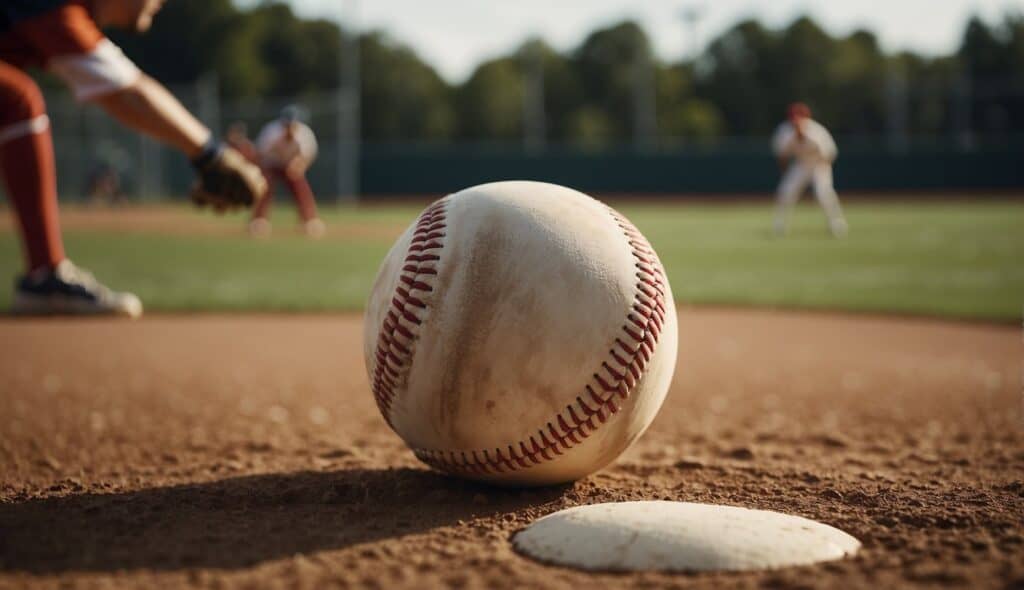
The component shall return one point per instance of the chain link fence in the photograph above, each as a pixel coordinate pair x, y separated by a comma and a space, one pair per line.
95, 154
97, 157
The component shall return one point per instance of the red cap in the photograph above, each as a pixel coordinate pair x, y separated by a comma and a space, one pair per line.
799, 110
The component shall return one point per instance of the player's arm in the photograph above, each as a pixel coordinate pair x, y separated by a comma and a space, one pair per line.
831, 150
782, 160
299, 164
148, 107
308, 149
71, 46
226, 178
782, 145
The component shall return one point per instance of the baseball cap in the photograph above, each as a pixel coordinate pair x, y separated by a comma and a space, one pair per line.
294, 112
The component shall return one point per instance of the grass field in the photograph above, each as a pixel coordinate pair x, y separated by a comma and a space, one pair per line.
953, 259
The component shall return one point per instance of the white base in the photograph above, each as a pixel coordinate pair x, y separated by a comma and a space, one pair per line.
679, 536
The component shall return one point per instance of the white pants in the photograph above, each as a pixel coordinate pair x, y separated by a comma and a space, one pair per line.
795, 181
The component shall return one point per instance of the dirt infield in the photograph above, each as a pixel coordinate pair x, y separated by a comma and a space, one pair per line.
246, 451
181, 220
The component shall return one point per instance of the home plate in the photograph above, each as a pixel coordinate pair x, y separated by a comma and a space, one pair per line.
679, 536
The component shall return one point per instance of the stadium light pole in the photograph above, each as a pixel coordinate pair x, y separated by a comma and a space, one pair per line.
691, 16
962, 97
208, 95
896, 107
348, 118
534, 116
645, 106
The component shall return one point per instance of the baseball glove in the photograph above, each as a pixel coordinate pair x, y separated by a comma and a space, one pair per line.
226, 179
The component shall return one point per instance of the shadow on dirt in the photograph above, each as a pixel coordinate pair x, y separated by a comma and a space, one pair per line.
237, 522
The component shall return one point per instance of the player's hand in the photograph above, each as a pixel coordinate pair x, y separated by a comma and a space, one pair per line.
226, 179
297, 167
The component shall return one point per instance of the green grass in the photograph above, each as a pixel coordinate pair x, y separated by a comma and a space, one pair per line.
944, 259
950, 259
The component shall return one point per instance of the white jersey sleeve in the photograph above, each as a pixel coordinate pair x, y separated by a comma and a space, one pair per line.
277, 149
822, 139
268, 138
98, 72
813, 145
308, 146
783, 139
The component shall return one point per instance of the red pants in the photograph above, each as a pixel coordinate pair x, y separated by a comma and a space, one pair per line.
299, 188
27, 166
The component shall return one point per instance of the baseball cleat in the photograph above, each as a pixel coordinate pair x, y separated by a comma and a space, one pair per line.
259, 227
69, 290
314, 228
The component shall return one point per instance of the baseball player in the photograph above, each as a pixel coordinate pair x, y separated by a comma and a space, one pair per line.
286, 148
806, 150
64, 37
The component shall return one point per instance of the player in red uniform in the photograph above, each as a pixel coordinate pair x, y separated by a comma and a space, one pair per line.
64, 37
287, 147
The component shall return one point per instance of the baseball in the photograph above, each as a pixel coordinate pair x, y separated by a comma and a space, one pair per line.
520, 333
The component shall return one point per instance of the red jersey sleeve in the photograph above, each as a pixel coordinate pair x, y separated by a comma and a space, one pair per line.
67, 41
66, 30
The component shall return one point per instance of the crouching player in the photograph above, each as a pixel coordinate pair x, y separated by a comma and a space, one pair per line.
63, 36
806, 151
287, 147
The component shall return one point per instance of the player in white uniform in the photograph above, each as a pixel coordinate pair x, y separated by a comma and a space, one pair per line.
806, 150
287, 147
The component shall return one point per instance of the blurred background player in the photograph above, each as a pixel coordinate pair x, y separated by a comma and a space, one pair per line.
806, 151
103, 184
64, 37
287, 147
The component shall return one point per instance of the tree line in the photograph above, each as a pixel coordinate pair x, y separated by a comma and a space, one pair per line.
608, 89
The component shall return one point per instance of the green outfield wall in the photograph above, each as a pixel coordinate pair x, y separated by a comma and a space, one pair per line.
736, 167
405, 169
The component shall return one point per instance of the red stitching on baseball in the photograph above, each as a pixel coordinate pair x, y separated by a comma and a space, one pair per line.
642, 327
395, 343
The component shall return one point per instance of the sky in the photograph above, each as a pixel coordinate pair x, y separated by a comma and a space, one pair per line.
456, 35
